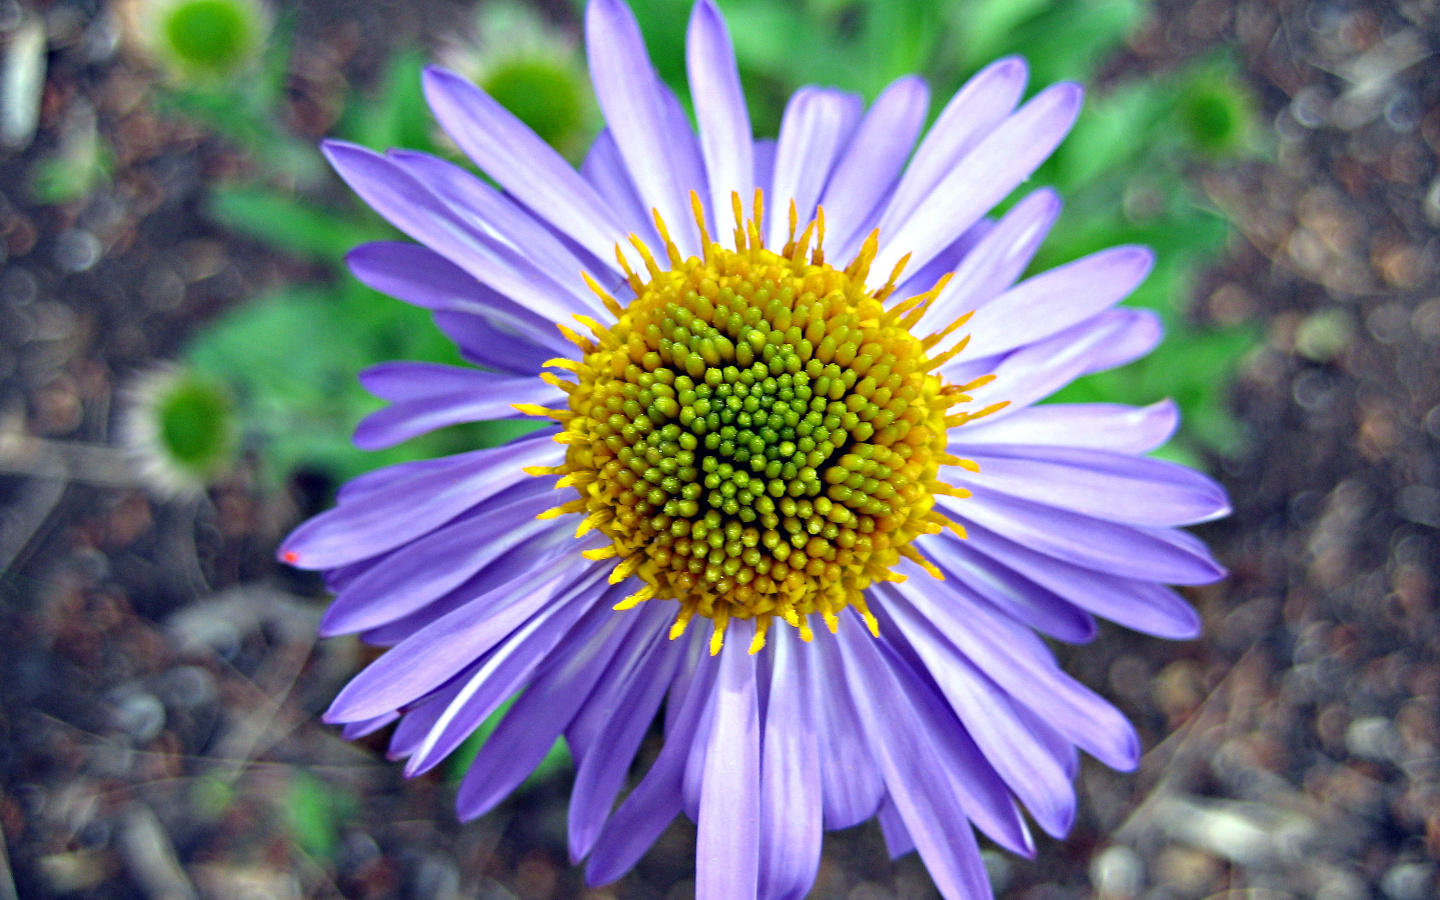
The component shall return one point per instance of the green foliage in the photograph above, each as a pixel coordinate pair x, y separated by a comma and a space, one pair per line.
1218, 114
314, 812
248, 113
396, 116
305, 230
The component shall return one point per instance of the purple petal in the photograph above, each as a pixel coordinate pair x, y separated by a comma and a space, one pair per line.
406, 419
997, 260
410, 206
387, 516
1008, 592
1141, 605
403, 380
429, 568
849, 779
692, 786
1020, 663
925, 278
974, 112
720, 111
982, 793
1035, 372
728, 845
510, 667
897, 837
486, 345
637, 108
644, 653
353, 731
636, 685
815, 128
905, 755
550, 548
605, 169
1129, 551
1113, 486
521, 162
764, 165
378, 479
1097, 426
1050, 740
421, 715
541, 714
499, 216
422, 277
982, 178
434, 654
1054, 300
656, 799
790, 790
1129, 345
685, 147
872, 161
987, 714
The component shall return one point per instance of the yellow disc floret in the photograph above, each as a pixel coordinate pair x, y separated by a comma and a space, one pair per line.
757, 434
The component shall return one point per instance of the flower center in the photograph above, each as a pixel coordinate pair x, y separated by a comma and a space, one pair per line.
757, 434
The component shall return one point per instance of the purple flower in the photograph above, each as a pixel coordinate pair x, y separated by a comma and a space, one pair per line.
775, 498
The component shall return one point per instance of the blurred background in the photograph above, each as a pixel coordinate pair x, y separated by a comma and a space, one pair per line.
178, 349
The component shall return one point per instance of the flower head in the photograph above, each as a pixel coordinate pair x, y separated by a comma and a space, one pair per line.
794, 487
181, 427
199, 39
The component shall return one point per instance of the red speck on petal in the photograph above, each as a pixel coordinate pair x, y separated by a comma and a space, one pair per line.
290, 556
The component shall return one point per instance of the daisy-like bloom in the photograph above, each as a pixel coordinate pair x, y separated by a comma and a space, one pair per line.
792, 492
180, 428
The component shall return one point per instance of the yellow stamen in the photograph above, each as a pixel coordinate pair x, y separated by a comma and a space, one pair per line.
609, 302
672, 251
687, 612
762, 627
627, 568
894, 279
645, 593
644, 251
575, 337
699, 212
717, 639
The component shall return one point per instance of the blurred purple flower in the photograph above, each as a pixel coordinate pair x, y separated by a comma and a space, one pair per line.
754, 440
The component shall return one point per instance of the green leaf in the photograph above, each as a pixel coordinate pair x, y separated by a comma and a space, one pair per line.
985, 25
397, 116
897, 39
314, 811
1112, 130
1068, 41
291, 225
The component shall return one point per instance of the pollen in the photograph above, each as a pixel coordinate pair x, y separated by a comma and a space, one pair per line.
758, 434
